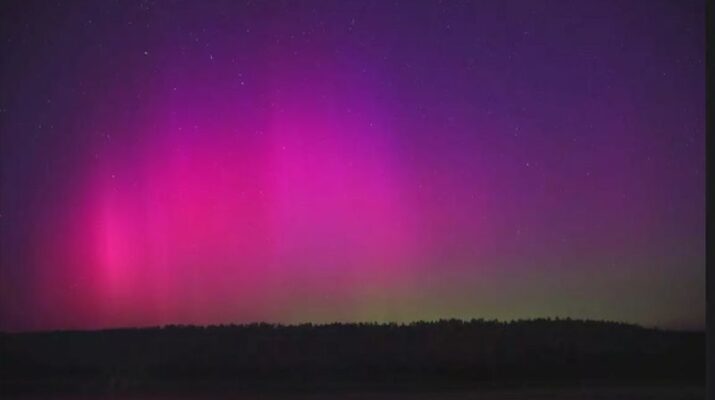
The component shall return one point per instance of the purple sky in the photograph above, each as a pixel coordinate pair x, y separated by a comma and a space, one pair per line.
290, 161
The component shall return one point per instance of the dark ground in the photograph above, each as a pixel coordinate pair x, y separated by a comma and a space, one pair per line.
592, 391
447, 359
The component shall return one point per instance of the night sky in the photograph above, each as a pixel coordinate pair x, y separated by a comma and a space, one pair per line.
296, 161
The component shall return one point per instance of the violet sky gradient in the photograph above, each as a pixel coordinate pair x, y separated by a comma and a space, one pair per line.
291, 161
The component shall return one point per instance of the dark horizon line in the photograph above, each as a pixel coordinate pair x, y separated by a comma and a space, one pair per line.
356, 323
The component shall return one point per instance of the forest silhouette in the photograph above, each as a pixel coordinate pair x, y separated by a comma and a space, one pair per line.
451, 351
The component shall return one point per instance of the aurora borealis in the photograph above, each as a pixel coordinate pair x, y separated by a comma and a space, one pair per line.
314, 161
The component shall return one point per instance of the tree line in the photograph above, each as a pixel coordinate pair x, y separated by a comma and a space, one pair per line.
448, 350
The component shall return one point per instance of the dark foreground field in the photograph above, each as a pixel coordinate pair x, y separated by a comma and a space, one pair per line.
557, 359
586, 392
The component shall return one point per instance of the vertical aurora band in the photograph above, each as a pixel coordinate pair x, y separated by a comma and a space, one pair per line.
183, 162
